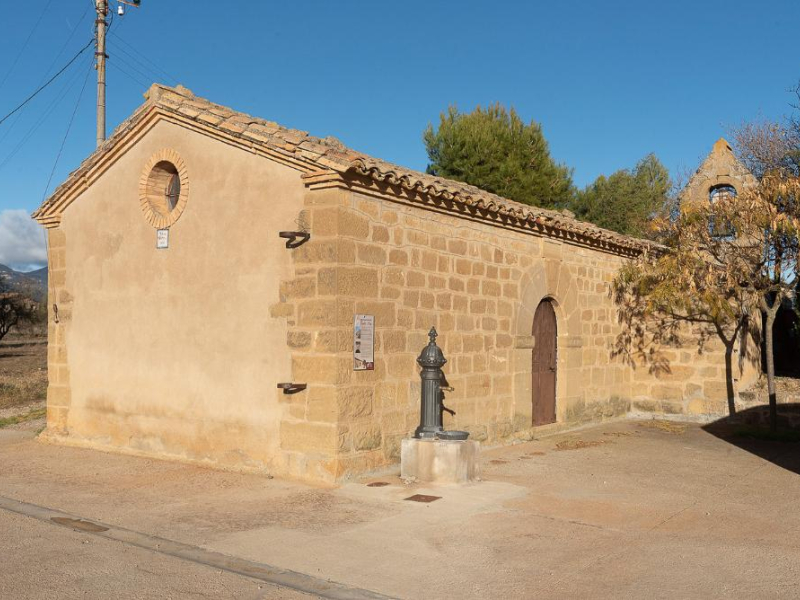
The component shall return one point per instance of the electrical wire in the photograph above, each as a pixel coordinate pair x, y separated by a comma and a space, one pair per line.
138, 55
69, 39
13, 124
66, 133
25, 44
49, 81
133, 67
55, 103
130, 76
118, 53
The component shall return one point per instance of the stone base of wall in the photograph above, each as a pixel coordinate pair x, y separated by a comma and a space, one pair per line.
787, 390
328, 471
317, 470
758, 417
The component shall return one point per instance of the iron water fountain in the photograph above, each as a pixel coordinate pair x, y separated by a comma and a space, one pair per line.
435, 454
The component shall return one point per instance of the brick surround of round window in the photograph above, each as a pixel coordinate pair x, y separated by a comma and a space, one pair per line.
160, 208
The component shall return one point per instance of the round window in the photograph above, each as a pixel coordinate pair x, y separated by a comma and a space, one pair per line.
163, 189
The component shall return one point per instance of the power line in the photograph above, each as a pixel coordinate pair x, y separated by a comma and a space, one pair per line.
135, 64
132, 67
54, 103
53, 78
66, 133
69, 84
69, 38
130, 76
13, 124
25, 45
139, 55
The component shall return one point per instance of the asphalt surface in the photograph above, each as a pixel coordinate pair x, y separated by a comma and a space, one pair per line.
46, 561
620, 510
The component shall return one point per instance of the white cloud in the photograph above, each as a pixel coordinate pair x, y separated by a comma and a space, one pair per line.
22, 243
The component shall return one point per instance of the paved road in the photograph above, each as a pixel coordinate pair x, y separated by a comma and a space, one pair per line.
623, 510
43, 561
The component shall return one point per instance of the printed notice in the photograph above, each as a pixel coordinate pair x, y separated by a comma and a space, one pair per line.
162, 239
364, 343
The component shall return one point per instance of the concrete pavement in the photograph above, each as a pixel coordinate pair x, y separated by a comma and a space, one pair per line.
621, 510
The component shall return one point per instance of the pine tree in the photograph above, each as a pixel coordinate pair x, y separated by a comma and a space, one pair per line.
627, 201
493, 149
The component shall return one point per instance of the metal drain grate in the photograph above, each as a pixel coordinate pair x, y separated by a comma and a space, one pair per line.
79, 524
423, 498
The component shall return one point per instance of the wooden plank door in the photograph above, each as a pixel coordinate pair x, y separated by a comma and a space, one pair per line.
545, 334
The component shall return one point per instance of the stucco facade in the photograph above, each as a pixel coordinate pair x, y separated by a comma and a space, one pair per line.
177, 352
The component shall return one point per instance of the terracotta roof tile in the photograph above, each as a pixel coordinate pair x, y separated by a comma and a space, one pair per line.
330, 154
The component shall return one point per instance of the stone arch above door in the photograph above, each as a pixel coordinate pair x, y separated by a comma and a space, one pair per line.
547, 279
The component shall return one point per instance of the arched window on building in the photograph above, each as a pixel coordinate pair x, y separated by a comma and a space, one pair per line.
720, 193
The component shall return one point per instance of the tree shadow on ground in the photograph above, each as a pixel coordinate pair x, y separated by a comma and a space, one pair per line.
749, 430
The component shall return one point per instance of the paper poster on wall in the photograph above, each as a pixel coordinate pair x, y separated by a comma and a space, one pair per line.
162, 239
364, 343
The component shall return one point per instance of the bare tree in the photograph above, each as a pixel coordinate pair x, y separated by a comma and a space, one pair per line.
15, 310
721, 263
771, 152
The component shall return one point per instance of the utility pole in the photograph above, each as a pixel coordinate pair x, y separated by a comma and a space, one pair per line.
100, 52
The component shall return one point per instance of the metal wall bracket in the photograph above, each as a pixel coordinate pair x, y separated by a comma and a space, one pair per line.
292, 388
295, 238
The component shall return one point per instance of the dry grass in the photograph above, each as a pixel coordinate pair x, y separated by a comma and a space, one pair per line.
23, 371
23, 391
15, 420
665, 426
580, 444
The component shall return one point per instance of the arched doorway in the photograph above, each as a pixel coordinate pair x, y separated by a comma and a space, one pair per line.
543, 388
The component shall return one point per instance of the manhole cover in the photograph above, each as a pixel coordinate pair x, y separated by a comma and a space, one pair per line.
378, 484
79, 524
423, 498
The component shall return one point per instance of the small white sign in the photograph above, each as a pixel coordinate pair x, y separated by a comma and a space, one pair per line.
364, 343
162, 238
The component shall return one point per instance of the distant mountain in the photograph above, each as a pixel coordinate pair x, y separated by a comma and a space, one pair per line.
33, 284
38, 274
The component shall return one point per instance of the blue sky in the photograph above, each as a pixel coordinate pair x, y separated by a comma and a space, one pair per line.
609, 81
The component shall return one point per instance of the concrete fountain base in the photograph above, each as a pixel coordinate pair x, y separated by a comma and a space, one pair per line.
439, 461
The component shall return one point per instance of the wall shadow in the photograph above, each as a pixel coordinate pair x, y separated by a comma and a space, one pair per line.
749, 430
785, 341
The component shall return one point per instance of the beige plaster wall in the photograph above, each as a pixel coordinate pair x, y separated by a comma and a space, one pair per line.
174, 352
